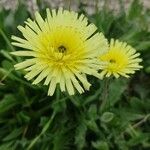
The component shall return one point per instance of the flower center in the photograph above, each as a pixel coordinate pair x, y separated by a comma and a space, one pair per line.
112, 61
62, 49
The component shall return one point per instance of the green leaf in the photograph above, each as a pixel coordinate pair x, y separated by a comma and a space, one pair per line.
147, 69
59, 105
116, 88
140, 139
7, 65
23, 118
103, 20
143, 45
136, 103
135, 9
7, 146
91, 124
128, 114
14, 134
91, 98
80, 134
6, 54
100, 145
92, 112
62, 135
107, 117
8, 102
9, 20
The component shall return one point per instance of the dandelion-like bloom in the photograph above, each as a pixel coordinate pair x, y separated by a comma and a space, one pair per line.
62, 49
121, 59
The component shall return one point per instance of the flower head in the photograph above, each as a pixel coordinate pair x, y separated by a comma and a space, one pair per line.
121, 59
62, 49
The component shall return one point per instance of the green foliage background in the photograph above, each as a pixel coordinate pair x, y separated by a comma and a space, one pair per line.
29, 119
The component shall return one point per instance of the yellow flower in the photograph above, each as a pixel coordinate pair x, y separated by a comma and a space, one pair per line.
121, 59
62, 49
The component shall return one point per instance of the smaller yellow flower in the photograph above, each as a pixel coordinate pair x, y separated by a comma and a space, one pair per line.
121, 59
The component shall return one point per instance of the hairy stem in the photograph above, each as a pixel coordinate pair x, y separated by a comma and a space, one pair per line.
45, 128
104, 95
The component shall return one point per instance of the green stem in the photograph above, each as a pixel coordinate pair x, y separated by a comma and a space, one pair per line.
131, 128
57, 93
6, 39
141, 121
73, 100
104, 96
47, 125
